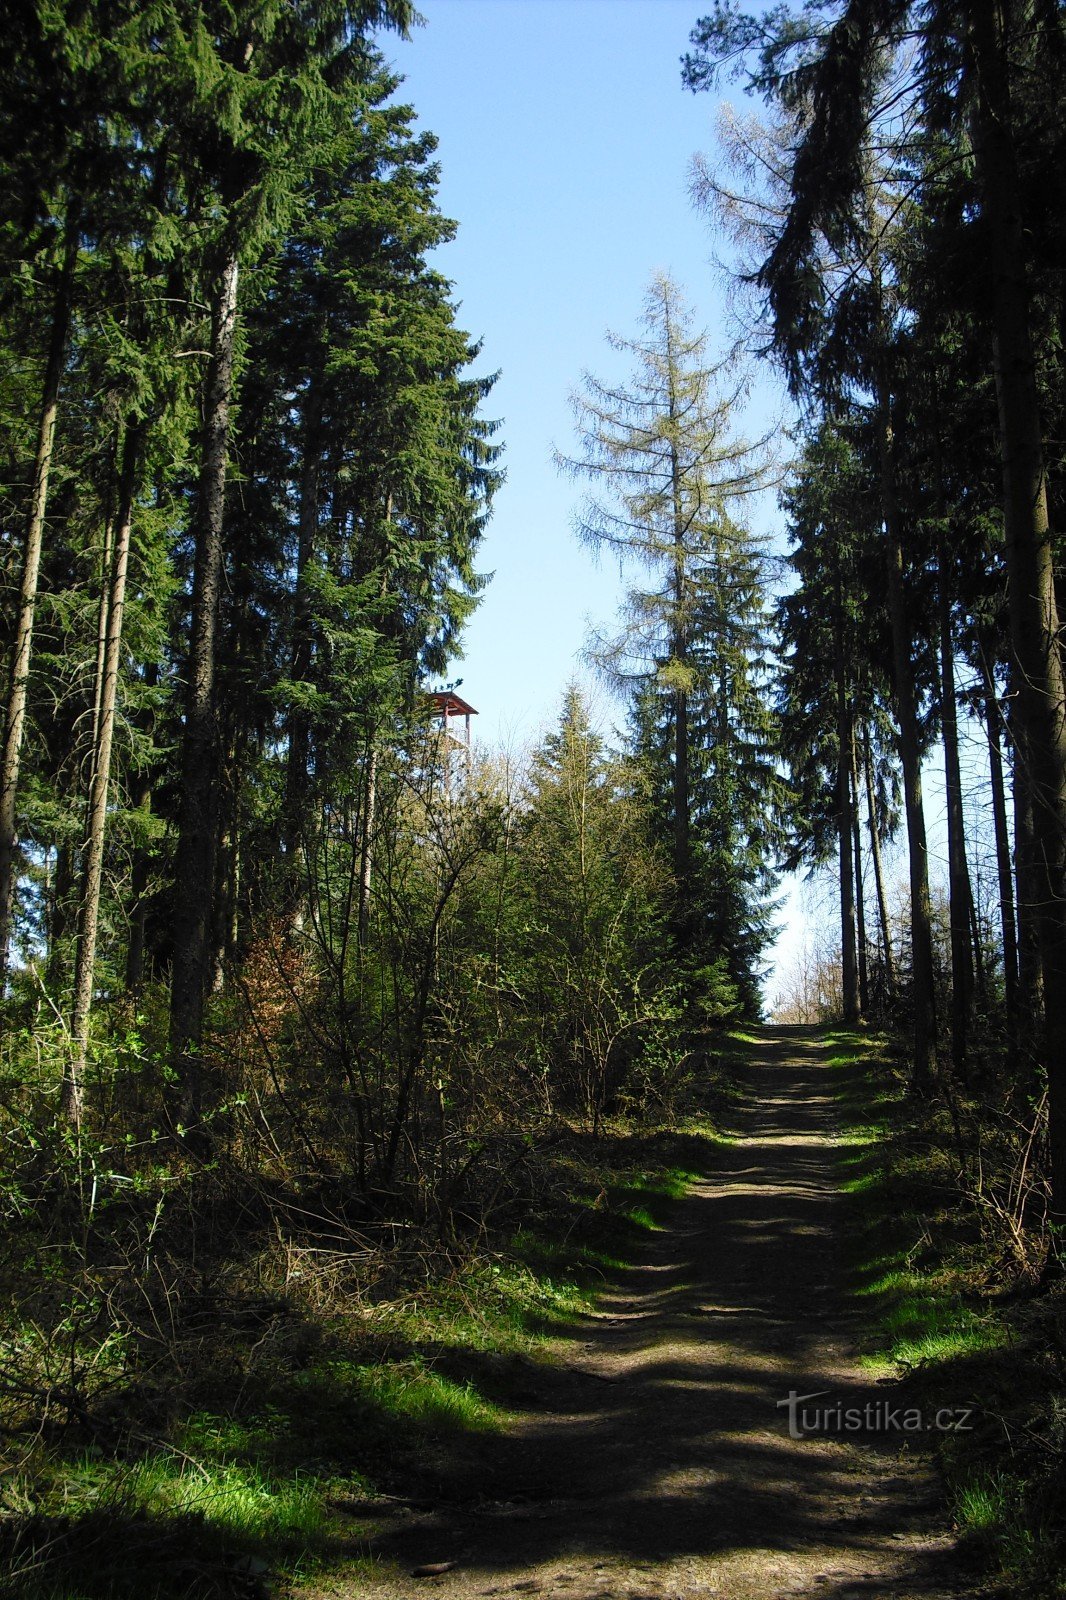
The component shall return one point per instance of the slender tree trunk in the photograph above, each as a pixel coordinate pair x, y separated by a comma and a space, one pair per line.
996, 29
681, 795
15, 719
960, 897
141, 803
366, 851
679, 643
860, 898
59, 917
194, 862
300, 660
103, 610
980, 967
226, 928
1030, 953
849, 972
924, 999
879, 873
1009, 932
106, 701
679, 646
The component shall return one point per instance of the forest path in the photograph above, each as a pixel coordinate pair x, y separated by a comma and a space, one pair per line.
658, 1463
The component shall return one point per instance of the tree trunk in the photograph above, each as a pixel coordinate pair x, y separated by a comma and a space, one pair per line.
849, 972
107, 563
1030, 953
860, 898
1008, 927
141, 802
15, 719
366, 855
923, 993
980, 966
300, 661
681, 799
679, 644
194, 861
960, 897
879, 873
106, 700
59, 918
995, 28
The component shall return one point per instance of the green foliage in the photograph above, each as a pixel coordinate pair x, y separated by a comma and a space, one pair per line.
670, 476
593, 896
927, 1243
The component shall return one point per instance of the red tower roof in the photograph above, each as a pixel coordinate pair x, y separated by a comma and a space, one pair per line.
449, 704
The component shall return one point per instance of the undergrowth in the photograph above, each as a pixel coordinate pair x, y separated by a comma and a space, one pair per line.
252, 1420
952, 1309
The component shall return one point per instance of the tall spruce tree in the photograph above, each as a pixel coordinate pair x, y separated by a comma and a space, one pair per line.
267, 90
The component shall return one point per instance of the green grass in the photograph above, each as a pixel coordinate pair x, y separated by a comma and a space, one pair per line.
981, 1506
921, 1266
383, 1395
413, 1393
235, 1502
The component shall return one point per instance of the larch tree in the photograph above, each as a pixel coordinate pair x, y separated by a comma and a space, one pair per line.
667, 472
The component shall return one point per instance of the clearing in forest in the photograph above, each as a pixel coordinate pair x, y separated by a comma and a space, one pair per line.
654, 1459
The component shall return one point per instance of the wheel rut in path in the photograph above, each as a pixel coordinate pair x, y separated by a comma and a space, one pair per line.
657, 1462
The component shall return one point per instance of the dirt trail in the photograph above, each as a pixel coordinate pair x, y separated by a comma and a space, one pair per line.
657, 1463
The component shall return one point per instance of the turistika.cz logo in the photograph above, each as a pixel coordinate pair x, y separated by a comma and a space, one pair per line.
873, 1416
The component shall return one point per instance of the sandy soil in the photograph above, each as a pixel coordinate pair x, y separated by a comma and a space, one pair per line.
653, 1460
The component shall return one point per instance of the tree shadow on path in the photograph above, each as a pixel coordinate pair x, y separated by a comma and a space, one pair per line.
657, 1459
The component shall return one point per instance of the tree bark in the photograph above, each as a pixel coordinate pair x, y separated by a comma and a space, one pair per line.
106, 700
194, 861
15, 719
996, 29
142, 801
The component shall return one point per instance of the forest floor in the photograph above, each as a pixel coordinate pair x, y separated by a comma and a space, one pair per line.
651, 1456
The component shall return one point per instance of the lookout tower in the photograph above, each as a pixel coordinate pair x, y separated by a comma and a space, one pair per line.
448, 706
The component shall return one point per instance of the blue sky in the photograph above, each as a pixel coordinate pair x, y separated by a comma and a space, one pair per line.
565, 140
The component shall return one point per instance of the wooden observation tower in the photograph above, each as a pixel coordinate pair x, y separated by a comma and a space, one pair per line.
448, 707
